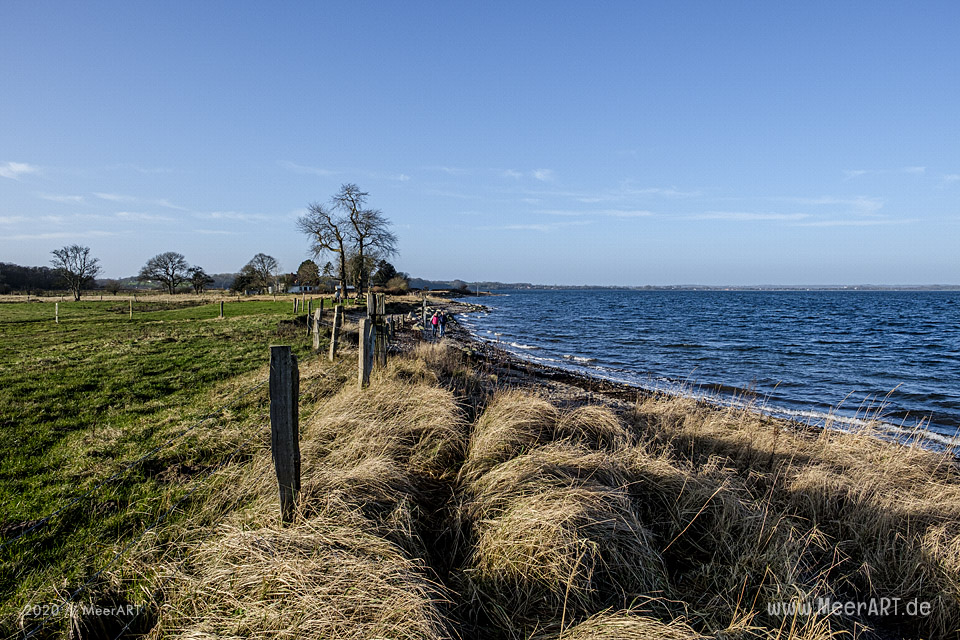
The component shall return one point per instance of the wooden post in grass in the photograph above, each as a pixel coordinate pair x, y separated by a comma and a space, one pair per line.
221, 308
365, 354
316, 330
285, 426
310, 307
131, 309
335, 330
56, 312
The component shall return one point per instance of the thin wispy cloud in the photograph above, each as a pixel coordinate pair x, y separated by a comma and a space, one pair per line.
863, 204
748, 216
451, 194
59, 235
450, 171
147, 171
613, 213
13, 170
627, 191
61, 199
543, 175
12, 219
141, 217
950, 178
545, 226
234, 216
855, 222
510, 173
317, 171
125, 199
851, 174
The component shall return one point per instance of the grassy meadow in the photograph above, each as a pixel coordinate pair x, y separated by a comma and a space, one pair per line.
83, 399
438, 503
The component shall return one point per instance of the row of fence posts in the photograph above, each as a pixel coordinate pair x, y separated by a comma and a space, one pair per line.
376, 331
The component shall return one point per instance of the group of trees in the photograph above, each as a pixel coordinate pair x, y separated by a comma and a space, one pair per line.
14, 277
171, 270
356, 236
262, 272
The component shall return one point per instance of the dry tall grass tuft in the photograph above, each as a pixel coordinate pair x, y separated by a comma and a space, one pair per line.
623, 626
325, 578
594, 426
561, 552
512, 423
551, 527
863, 518
415, 424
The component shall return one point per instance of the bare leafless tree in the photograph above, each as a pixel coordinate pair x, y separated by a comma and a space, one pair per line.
348, 228
369, 231
169, 269
372, 238
264, 271
328, 233
75, 266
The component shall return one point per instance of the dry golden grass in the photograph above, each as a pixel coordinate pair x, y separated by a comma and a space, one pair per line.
324, 578
862, 518
623, 625
674, 521
512, 423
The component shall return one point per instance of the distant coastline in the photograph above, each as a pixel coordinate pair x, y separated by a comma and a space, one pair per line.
420, 283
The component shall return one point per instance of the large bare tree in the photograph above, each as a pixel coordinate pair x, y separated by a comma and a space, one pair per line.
328, 233
169, 269
372, 238
264, 271
348, 228
75, 266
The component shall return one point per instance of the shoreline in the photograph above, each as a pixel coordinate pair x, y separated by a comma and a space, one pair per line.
625, 391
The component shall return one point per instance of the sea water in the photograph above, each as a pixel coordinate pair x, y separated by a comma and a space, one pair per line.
837, 357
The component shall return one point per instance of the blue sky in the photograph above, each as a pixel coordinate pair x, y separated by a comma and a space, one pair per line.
581, 143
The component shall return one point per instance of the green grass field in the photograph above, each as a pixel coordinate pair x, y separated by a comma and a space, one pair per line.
82, 399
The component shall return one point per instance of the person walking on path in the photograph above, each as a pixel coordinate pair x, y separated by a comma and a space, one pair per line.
442, 321
435, 321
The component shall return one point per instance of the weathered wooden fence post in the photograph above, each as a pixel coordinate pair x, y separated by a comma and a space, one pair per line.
316, 330
381, 336
285, 426
131, 309
335, 330
296, 303
221, 308
56, 312
365, 354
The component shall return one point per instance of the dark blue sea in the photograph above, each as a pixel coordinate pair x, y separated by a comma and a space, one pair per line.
807, 355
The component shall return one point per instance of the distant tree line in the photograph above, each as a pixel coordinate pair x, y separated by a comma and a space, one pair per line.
14, 277
357, 237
